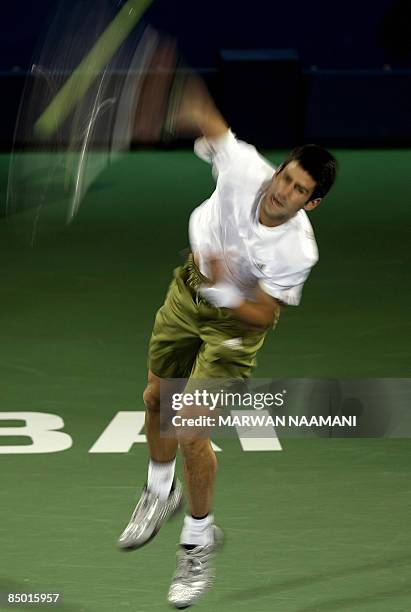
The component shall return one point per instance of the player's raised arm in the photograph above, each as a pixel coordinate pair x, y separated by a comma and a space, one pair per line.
198, 113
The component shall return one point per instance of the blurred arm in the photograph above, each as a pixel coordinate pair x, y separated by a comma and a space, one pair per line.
198, 111
261, 313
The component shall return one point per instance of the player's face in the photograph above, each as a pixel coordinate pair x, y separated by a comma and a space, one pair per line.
290, 190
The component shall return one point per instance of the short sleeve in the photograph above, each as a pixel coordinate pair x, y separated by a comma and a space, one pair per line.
223, 152
288, 288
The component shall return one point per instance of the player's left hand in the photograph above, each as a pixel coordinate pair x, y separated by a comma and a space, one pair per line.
219, 292
215, 269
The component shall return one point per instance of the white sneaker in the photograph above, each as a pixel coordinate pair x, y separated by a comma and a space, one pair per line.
195, 572
149, 515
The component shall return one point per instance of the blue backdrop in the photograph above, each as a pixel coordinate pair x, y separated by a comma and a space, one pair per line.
349, 34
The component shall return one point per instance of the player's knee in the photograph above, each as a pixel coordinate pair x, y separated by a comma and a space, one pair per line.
151, 399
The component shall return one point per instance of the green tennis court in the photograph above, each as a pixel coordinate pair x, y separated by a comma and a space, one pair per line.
323, 525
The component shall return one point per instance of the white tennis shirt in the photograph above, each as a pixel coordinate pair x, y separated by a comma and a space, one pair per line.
226, 225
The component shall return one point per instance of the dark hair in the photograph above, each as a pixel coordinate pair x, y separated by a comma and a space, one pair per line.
320, 165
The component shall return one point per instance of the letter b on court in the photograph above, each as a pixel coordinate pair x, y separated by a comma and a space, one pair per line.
40, 427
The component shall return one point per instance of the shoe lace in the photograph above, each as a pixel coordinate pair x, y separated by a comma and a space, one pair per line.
191, 562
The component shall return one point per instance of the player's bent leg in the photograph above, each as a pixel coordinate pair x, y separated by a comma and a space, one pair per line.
162, 449
162, 494
173, 349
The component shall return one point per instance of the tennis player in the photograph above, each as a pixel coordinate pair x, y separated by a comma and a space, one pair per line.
252, 250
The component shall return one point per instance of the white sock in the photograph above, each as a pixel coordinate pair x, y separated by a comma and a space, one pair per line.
198, 532
160, 478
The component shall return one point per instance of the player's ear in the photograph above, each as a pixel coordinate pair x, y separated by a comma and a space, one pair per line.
312, 204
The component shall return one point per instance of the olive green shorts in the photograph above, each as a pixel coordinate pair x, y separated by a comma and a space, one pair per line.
192, 338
